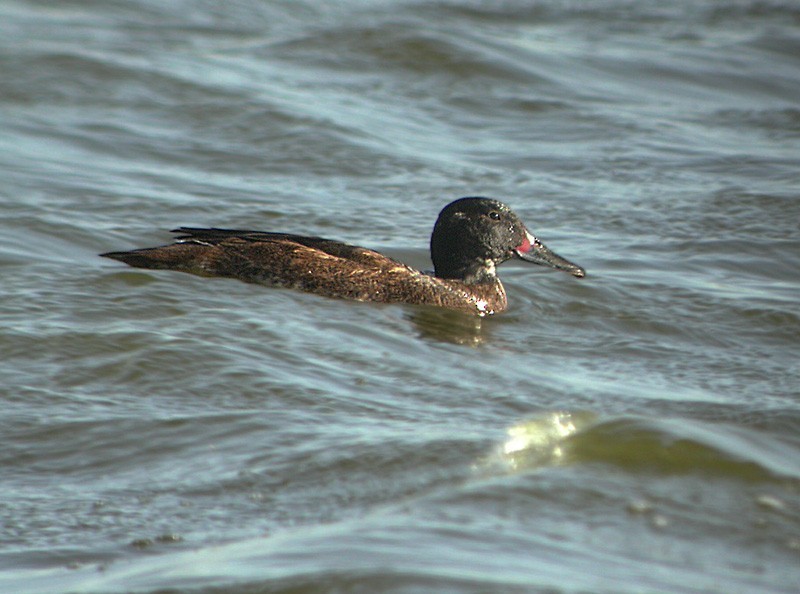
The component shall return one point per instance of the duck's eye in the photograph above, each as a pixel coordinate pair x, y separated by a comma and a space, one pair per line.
494, 215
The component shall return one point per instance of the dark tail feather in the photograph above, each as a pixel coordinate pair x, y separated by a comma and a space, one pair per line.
169, 257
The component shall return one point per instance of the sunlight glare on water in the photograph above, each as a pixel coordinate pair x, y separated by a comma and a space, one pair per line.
540, 439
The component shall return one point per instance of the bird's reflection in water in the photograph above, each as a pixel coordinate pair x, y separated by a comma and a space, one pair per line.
450, 326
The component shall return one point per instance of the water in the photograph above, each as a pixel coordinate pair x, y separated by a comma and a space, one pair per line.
634, 431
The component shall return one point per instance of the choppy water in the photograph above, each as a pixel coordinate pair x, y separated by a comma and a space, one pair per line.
636, 431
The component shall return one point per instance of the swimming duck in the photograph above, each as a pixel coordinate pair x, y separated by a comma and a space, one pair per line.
472, 236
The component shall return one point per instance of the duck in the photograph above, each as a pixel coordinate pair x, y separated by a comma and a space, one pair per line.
471, 238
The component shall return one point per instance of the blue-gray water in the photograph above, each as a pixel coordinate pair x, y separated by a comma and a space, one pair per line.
634, 431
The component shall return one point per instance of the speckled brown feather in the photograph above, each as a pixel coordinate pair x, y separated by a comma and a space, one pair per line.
313, 264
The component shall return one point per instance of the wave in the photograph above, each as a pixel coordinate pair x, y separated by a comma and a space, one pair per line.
651, 446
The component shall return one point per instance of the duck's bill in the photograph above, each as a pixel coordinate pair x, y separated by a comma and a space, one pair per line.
533, 250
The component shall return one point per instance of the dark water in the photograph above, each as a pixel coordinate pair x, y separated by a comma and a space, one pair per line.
636, 431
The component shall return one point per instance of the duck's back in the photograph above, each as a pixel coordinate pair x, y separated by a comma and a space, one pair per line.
312, 264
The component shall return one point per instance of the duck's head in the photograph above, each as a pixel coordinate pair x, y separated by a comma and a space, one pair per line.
472, 236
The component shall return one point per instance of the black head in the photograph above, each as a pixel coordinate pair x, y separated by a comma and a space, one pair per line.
474, 235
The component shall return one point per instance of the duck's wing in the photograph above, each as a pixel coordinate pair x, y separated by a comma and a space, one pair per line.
288, 241
215, 236
257, 256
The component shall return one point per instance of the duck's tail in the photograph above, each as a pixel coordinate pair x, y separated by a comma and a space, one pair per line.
186, 257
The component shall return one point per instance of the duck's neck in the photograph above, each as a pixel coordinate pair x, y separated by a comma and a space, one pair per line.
471, 273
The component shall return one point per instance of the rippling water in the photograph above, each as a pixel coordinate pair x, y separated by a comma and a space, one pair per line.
636, 431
